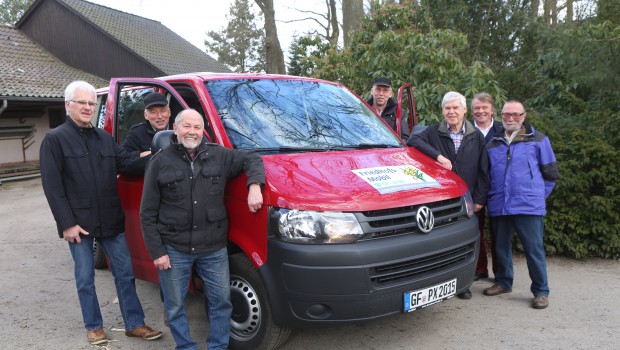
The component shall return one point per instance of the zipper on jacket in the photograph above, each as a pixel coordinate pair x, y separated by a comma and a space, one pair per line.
508, 158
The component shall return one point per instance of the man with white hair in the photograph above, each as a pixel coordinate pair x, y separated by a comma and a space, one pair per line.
79, 164
456, 145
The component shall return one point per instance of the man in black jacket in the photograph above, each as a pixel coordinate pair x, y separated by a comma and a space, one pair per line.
184, 222
157, 115
79, 164
459, 147
383, 103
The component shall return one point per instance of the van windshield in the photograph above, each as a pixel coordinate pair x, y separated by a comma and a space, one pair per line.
294, 115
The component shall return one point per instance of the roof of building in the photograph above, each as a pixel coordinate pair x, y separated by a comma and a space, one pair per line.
150, 39
27, 70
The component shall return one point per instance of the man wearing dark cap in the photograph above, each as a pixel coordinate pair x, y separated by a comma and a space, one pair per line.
157, 115
383, 103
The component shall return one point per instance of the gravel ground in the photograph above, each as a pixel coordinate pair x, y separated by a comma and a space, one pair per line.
39, 307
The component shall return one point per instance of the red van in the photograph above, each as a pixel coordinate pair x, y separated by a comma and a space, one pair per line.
356, 226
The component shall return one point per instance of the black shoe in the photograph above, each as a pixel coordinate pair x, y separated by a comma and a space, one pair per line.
482, 275
464, 295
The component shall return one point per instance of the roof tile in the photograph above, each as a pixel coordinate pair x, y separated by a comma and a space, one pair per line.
150, 39
27, 70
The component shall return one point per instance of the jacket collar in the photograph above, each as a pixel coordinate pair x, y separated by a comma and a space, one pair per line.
81, 130
469, 127
526, 132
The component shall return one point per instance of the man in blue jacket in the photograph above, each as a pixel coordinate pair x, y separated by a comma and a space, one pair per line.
523, 174
79, 164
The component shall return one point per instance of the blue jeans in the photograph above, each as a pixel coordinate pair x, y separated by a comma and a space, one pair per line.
115, 248
212, 267
530, 231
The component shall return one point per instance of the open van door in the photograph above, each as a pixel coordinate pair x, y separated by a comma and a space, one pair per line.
406, 116
125, 108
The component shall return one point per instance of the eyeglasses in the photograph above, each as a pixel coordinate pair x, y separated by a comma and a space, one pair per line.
85, 103
515, 116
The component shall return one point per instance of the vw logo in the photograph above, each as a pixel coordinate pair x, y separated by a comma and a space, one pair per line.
425, 219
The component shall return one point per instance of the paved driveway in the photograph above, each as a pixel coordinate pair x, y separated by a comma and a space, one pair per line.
39, 307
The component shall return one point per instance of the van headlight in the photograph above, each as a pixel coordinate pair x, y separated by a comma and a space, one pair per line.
313, 227
469, 204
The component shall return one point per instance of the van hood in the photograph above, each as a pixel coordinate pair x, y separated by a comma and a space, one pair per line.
326, 181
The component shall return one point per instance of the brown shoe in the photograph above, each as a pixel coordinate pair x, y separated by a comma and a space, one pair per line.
96, 337
540, 302
495, 290
144, 332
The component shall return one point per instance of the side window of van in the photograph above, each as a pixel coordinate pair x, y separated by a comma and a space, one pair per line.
100, 115
130, 109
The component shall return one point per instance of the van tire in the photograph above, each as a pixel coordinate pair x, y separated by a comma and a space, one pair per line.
99, 256
251, 324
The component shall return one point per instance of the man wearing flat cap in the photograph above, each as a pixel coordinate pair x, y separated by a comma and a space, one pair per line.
157, 115
383, 103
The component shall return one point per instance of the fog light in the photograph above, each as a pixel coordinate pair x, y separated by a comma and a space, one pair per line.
319, 311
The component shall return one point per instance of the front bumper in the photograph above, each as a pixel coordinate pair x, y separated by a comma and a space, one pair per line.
346, 283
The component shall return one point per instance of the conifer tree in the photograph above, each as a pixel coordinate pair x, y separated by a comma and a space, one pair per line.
240, 45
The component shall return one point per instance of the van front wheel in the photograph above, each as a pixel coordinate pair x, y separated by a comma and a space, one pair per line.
251, 324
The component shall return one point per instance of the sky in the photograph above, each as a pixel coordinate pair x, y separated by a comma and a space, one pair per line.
191, 19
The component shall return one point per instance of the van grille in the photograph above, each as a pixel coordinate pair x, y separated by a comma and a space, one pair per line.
396, 221
418, 268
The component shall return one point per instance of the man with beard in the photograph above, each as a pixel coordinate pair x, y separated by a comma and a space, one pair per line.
523, 174
184, 222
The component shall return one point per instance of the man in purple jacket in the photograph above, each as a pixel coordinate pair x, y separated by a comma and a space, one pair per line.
523, 173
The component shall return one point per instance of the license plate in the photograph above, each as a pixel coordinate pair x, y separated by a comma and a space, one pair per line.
429, 296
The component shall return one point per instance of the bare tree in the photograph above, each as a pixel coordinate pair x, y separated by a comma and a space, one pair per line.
275, 57
569, 11
352, 14
333, 22
328, 22
534, 8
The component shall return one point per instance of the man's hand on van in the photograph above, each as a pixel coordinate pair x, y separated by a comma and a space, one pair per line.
72, 234
162, 263
255, 198
477, 207
445, 162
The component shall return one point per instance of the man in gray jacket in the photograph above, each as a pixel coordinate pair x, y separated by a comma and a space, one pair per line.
184, 222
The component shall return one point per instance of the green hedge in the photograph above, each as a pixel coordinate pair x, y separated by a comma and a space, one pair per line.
583, 218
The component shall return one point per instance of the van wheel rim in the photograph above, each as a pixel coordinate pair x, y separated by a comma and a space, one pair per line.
246, 314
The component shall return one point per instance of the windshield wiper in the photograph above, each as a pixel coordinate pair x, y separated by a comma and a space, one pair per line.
374, 145
289, 149
286, 149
